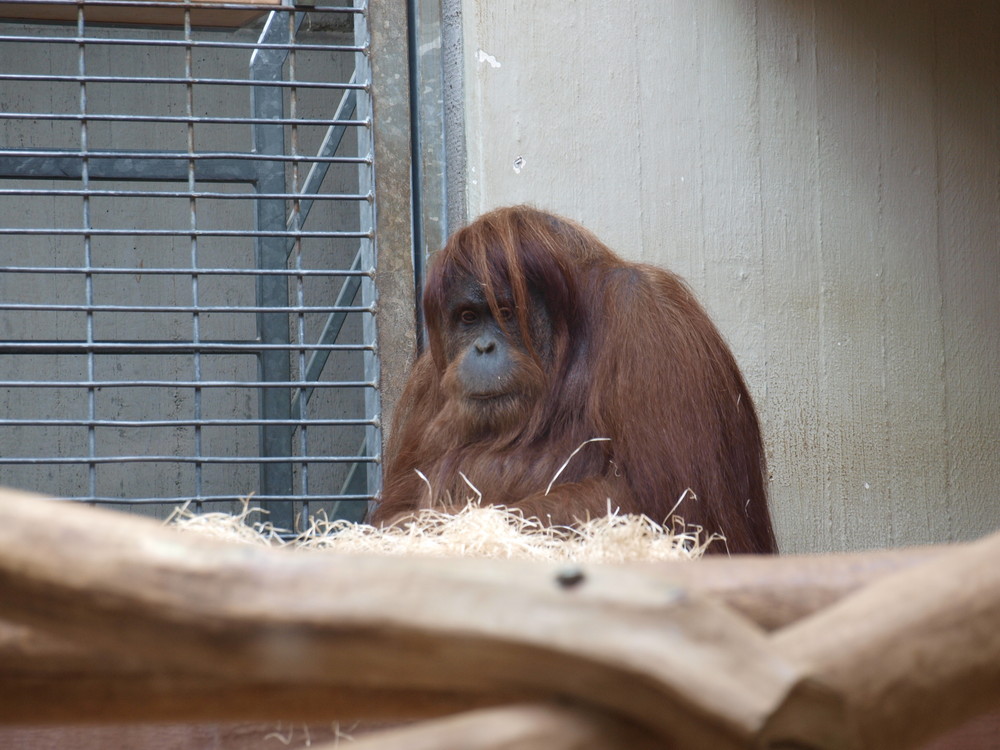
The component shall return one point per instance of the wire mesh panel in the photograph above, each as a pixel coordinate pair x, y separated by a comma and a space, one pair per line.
186, 255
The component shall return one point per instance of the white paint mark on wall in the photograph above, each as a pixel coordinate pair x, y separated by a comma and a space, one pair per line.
518, 164
431, 46
484, 57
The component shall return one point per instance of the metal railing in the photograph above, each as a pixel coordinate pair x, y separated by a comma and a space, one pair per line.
147, 261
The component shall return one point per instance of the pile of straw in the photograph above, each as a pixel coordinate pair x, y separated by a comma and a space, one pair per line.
476, 531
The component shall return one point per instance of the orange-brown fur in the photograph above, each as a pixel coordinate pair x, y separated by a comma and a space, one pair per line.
632, 357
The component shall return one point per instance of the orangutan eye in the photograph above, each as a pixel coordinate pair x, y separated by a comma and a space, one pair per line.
468, 317
506, 314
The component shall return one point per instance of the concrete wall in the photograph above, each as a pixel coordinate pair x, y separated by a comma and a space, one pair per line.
827, 177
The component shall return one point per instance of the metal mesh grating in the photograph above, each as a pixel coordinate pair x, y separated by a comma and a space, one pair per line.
186, 255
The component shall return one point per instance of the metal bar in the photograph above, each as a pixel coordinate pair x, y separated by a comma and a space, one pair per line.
97, 153
254, 384
179, 81
294, 222
272, 328
87, 260
349, 289
202, 4
180, 119
23, 192
195, 43
428, 43
317, 173
149, 347
172, 459
368, 258
191, 309
131, 271
354, 499
177, 422
126, 167
172, 4
193, 224
331, 332
93, 232
355, 485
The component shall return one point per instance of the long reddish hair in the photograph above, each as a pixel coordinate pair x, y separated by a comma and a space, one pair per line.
633, 358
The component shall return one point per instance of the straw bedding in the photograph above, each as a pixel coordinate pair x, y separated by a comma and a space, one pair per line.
475, 531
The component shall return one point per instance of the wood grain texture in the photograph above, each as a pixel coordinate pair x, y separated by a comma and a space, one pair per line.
47, 679
112, 609
680, 665
915, 653
524, 727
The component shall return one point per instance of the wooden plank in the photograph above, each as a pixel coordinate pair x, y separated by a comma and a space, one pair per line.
682, 666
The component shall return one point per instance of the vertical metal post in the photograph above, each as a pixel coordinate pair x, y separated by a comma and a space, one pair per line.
367, 254
427, 126
387, 75
88, 254
266, 65
196, 319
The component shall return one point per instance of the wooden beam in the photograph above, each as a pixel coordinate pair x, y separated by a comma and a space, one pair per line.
47, 679
776, 591
525, 727
915, 653
682, 666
